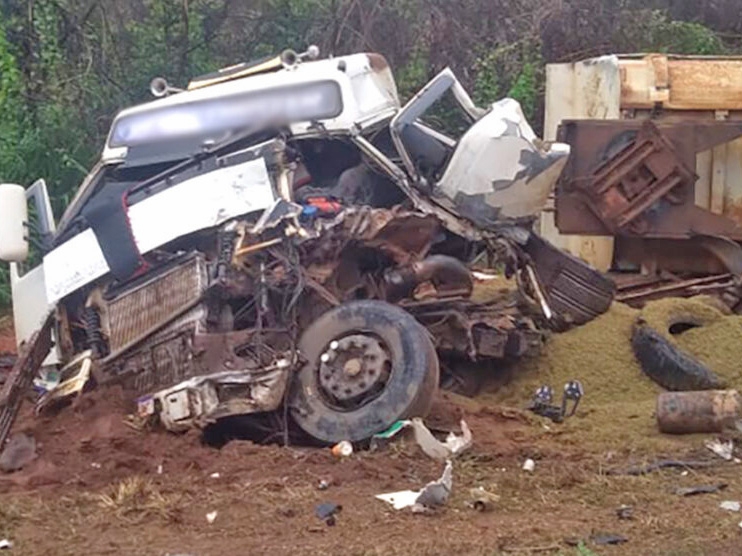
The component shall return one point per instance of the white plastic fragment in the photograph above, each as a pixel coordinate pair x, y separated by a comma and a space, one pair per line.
159, 469
211, 516
436, 449
434, 494
5, 544
484, 276
95, 465
684, 473
458, 444
730, 505
401, 499
529, 465
722, 449
215, 475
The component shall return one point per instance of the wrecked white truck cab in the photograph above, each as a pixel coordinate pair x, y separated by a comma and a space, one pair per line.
284, 233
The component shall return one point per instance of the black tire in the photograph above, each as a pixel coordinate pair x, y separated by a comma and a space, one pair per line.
576, 291
669, 367
408, 391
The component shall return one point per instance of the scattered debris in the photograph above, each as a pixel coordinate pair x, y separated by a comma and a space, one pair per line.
327, 512
342, 449
211, 516
382, 438
401, 499
702, 489
392, 431
482, 500
159, 469
435, 449
529, 465
541, 404
724, 450
215, 475
434, 494
323, 485
663, 464
95, 465
608, 538
730, 505
625, 512
18, 452
5, 544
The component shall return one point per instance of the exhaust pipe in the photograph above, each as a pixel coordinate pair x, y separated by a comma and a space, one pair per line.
449, 275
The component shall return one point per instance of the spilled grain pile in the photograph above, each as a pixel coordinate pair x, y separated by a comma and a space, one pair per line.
618, 408
704, 329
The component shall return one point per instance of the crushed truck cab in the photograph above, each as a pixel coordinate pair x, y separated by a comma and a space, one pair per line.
285, 234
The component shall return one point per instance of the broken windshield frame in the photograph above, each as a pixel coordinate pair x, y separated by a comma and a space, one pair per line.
421, 103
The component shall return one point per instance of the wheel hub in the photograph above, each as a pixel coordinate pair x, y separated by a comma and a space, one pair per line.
354, 367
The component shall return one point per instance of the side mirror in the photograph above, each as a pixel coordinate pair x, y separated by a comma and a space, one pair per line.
13, 219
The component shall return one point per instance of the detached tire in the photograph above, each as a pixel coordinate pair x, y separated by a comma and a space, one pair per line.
379, 366
669, 367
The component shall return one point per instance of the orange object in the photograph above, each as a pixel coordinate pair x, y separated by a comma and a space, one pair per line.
342, 449
324, 204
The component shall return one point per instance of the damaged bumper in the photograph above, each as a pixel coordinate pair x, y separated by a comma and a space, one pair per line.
202, 400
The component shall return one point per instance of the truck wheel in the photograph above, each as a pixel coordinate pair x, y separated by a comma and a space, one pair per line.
368, 364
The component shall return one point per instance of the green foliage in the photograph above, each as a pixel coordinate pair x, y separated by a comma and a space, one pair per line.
526, 89
654, 31
681, 37
413, 75
516, 71
4, 286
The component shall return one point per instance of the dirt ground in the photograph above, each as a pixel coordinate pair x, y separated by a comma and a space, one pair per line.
101, 486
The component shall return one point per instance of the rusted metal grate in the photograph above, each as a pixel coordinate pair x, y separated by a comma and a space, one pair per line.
154, 303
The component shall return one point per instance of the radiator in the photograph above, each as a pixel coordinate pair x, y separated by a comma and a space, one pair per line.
144, 308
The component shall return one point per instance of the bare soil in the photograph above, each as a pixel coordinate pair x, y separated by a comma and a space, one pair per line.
102, 486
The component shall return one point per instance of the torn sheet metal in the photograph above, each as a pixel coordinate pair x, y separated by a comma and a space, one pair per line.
451, 447
21, 376
68, 386
204, 399
488, 330
434, 494
723, 449
404, 235
500, 169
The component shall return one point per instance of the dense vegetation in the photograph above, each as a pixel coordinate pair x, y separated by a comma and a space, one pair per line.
67, 66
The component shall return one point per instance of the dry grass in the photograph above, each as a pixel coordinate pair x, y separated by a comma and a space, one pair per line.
135, 499
10, 515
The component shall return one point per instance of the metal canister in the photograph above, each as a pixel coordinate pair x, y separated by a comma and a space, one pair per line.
701, 411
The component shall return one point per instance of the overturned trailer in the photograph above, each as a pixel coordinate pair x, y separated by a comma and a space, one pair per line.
652, 189
285, 235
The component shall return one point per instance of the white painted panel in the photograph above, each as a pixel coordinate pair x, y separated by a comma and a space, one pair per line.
590, 89
196, 204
